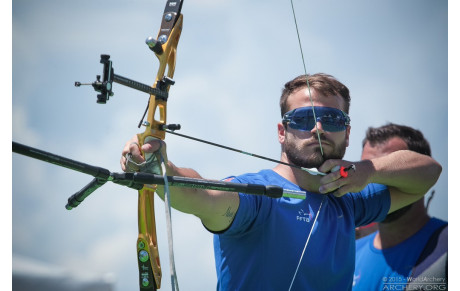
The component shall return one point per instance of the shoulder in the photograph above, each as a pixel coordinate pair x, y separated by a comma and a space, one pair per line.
371, 204
437, 223
365, 241
438, 231
433, 259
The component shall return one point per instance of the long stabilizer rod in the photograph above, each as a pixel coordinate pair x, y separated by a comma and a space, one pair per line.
138, 180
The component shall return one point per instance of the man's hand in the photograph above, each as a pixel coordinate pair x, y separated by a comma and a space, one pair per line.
337, 185
131, 156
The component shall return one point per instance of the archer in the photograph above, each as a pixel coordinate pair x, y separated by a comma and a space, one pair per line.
259, 244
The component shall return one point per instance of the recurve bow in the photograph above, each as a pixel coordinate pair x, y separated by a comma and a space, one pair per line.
165, 49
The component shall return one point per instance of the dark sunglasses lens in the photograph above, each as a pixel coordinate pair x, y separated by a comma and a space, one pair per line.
302, 120
332, 120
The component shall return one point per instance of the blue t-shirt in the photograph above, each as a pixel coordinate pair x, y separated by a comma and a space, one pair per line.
388, 269
263, 245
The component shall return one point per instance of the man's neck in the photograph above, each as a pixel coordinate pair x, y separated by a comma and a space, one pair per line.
395, 232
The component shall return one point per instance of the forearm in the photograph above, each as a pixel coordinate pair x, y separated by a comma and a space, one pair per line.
406, 171
182, 198
208, 205
216, 209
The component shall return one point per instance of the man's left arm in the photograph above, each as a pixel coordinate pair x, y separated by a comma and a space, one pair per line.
408, 175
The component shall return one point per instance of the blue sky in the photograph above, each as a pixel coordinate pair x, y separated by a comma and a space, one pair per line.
233, 58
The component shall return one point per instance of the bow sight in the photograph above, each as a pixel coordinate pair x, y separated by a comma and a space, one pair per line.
108, 77
104, 87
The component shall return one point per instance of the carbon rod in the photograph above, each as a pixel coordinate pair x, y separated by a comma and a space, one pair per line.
139, 86
138, 180
48, 157
176, 181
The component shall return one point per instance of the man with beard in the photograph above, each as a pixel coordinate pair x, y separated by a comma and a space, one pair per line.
261, 243
409, 247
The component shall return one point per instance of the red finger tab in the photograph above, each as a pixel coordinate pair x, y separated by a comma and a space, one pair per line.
343, 172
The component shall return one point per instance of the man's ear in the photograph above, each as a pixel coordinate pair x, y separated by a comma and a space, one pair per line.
281, 133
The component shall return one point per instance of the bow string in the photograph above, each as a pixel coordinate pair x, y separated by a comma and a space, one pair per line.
319, 141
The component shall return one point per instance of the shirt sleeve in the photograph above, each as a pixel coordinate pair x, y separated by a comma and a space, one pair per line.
371, 204
251, 211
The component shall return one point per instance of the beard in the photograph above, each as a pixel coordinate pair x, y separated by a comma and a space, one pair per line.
298, 156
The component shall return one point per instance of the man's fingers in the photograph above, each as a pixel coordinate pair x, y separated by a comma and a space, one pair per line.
329, 165
344, 189
123, 163
131, 148
152, 144
330, 187
334, 183
330, 178
134, 156
135, 153
151, 147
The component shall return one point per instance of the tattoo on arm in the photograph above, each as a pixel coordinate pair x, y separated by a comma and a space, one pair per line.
230, 213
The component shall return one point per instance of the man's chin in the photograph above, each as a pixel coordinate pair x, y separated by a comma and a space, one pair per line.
314, 161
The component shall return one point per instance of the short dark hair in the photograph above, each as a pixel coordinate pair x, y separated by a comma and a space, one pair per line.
324, 84
412, 137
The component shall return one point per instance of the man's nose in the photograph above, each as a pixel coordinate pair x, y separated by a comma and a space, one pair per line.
318, 127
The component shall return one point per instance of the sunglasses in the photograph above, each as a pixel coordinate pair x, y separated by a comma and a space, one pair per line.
303, 118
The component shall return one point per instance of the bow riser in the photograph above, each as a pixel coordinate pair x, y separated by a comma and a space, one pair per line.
147, 245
